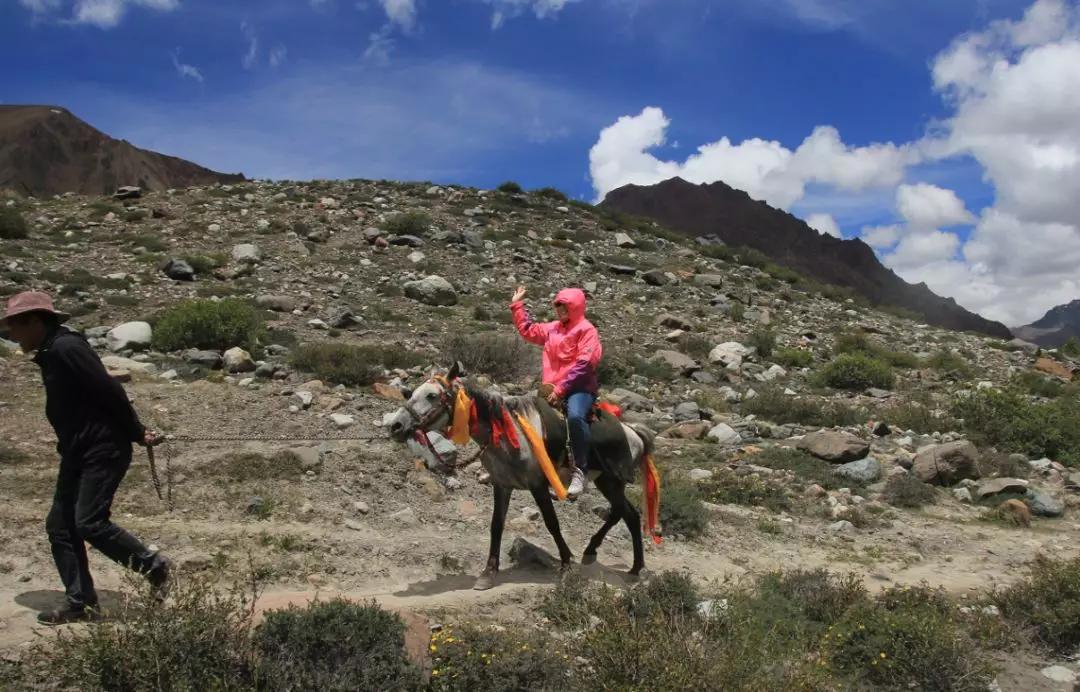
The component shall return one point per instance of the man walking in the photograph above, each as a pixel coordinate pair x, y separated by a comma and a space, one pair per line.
95, 426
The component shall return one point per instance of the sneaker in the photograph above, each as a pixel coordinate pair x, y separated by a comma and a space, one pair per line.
158, 576
67, 615
577, 485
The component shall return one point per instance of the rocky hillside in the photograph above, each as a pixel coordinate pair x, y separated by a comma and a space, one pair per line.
1056, 327
732, 216
45, 150
799, 428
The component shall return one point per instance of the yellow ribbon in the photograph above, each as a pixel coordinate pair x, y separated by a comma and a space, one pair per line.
540, 454
459, 426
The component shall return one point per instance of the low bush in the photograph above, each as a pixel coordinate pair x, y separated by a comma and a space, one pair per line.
510, 188
737, 311
408, 223
905, 490
209, 324
1047, 603
205, 264
793, 358
860, 343
350, 364
251, 466
334, 645
921, 417
695, 346
551, 193
1012, 422
1070, 348
773, 405
951, 364
807, 468
12, 224
474, 657
763, 340
1037, 384
857, 371
681, 508
500, 356
729, 488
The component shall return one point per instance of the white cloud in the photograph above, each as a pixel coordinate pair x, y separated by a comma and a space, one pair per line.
881, 237
278, 55
765, 169
917, 249
185, 70
40, 6
380, 44
106, 14
252, 54
400, 12
824, 223
928, 207
503, 10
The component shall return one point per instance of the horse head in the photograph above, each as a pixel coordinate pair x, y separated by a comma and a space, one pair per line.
430, 407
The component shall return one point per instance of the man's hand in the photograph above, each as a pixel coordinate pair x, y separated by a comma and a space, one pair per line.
519, 294
152, 438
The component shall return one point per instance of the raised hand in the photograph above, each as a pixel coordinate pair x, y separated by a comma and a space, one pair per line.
519, 294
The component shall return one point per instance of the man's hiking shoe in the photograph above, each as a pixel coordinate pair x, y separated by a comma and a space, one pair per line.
158, 576
577, 485
67, 615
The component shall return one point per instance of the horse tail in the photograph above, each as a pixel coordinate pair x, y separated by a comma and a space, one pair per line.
650, 482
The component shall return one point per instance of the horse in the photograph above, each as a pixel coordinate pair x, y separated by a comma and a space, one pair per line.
494, 424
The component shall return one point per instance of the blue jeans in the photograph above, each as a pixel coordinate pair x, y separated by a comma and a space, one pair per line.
578, 407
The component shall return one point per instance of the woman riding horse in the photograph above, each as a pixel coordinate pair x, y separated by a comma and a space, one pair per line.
572, 352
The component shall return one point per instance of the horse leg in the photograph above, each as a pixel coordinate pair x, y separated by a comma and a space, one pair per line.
604, 485
486, 580
633, 522
551, 521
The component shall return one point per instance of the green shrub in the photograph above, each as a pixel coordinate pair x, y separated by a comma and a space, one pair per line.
510, 188
951, 364
1047, 603
336, 646
551, 193
1038, 385
695, 346
209, 324
857, 371
773, 405
1011, 422
473, 657
764, 340
501, 356
920, 417
729, 488
793, 358
905, 490
860, 343
351, 364
681, 509
1070, 348
151, 243
737, 311
12, 224
807, 468
205, 264
251, 466
408, 223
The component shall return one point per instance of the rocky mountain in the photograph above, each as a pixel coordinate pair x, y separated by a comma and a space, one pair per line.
45, 150
738, 220
1056, 327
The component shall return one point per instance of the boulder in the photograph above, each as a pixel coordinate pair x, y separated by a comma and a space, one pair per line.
178, 270
134, 336
1043, 505
657, 277
237, 359
128, 192
406, 241
864, 471
342, 420
344, 320
622, 269
674, 322
835, 446
206, 359
630, 401
996, 486
690, 430
729, 354
247, 253
623, 240
432, 290
709, 280
687, 411
724, 435
698, 475
679, 362
945, 464
276, 303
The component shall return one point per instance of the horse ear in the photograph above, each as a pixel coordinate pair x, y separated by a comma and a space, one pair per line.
456, 370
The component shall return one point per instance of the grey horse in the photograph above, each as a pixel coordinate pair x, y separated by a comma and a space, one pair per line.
618, 451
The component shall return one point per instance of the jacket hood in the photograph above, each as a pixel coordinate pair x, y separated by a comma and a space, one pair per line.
574, 300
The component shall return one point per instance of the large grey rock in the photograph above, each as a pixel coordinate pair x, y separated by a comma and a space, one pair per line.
996, 486
206, 359
1044, 505
178, 270
657, 277
729, 354
709, 280
630, 401
432, 290
276, 303
687, 411
247, 253
724, 434
134, 336
237, 359
679, 362
623, 240
674, 322
128, 192
835, 446
864, 471
947, 463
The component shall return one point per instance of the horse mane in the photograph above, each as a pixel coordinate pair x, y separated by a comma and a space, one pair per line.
491, 405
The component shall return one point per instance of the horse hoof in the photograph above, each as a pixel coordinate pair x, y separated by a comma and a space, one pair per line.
588, 559
484, 582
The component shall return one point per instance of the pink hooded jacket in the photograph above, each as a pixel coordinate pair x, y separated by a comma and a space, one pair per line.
572, 351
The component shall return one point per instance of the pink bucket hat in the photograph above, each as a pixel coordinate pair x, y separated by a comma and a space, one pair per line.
32, 301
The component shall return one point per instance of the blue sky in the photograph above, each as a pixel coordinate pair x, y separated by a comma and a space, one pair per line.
481, 91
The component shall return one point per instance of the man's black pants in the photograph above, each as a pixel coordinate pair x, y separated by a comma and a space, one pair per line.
80, 512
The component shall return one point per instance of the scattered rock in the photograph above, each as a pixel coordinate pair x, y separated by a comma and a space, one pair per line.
834, 446
178, 270
724, 435
674, 322
342, 421
687, 411
130, 336
624, 241
1014, 512
525, 554
996, 486
679, 362
127, 192
698, 475
657, 277
404, 517
276, 303
962, 494
864, 471
1044, 505
247, 253
947, 463
729, 354
237, 359
842, 526
1059, 674
207, 359
433, 290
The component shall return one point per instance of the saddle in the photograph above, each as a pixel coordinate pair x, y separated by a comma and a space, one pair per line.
609, 451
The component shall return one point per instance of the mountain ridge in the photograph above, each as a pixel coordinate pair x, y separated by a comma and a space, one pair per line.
739, 220
1058, 325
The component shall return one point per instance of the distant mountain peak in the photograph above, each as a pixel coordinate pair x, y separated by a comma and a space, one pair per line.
738, 219
47, 150
1057, 326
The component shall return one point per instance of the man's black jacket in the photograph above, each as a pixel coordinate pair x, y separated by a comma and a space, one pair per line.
84, 404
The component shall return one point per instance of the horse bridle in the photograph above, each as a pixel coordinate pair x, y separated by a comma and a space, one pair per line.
446, 405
